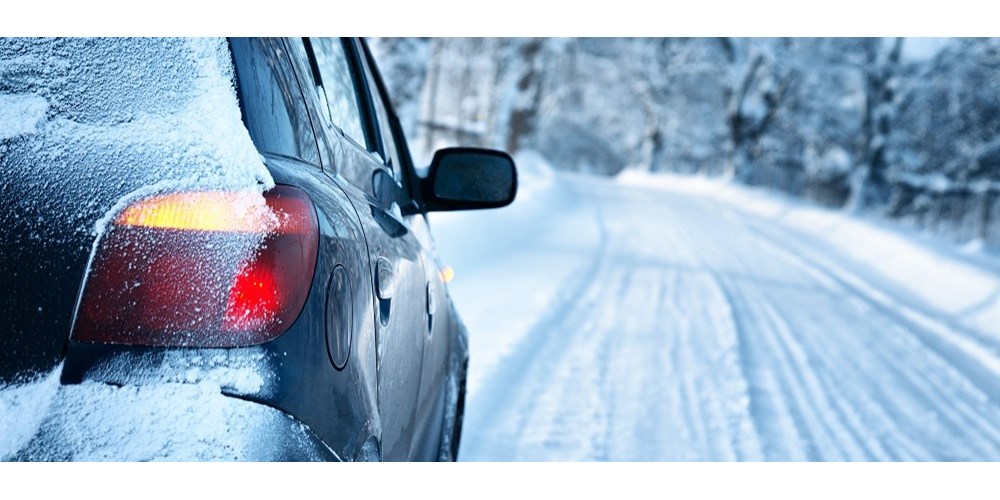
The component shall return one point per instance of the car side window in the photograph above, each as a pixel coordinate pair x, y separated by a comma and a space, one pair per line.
337, 88
391, 156
271, 100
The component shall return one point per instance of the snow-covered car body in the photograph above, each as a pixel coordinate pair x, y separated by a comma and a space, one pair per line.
204, 261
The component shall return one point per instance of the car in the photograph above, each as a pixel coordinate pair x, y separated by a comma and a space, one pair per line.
311, 292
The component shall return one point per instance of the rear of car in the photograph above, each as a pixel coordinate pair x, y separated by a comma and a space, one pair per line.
119, 186
187, 271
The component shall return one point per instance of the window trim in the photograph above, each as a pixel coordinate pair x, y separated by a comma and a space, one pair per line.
272, 44
283, 44
395, 128
365, 107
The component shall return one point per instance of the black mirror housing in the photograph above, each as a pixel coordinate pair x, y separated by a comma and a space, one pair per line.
468, 179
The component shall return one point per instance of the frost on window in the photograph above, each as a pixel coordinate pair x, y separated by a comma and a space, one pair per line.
103, 114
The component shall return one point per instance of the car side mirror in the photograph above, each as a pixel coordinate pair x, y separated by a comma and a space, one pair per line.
469, 178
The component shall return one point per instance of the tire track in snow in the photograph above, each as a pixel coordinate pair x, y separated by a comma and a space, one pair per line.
977, 357
706, 398
785, 387
954, 388
849, 413
781, 407
590, 381
927, 387
492, 426
695, 334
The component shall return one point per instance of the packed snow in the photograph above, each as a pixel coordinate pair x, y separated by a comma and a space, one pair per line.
23, 407
657, 317
174, 421
175, 407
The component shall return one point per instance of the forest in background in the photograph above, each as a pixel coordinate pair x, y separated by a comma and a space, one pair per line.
897, 127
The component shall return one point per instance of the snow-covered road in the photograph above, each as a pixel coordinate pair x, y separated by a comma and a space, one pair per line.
623, 321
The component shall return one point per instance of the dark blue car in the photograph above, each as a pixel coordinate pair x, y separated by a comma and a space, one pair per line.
219, 249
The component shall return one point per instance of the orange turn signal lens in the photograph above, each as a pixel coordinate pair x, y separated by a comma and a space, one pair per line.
213, 211
447, 274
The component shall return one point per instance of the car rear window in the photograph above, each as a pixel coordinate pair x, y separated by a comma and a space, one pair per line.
271, 100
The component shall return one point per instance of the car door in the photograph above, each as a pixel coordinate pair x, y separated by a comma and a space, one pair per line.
399, 294
345, 397
436, 345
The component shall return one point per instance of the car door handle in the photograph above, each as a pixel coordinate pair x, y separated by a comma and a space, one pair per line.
385, 279
431, 308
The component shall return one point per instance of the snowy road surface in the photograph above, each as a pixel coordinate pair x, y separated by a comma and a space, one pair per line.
624, 321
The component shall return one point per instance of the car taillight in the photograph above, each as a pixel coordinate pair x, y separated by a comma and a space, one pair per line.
204, 268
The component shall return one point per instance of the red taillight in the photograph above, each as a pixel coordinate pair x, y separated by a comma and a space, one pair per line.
253, 299
206, 269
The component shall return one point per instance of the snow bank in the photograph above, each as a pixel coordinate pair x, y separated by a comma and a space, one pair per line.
935, 276
534, 174
23, 407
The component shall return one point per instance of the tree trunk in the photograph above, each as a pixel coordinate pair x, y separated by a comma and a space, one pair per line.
870, 185
740, 135
430, 109
524, 112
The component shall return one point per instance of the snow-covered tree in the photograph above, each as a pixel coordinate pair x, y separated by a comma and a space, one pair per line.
857, 122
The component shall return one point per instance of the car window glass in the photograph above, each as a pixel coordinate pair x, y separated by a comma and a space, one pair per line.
304, 65
338, 90
391, 155
271, 100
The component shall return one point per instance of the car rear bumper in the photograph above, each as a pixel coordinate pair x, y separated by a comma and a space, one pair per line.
180, 405
95, 421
